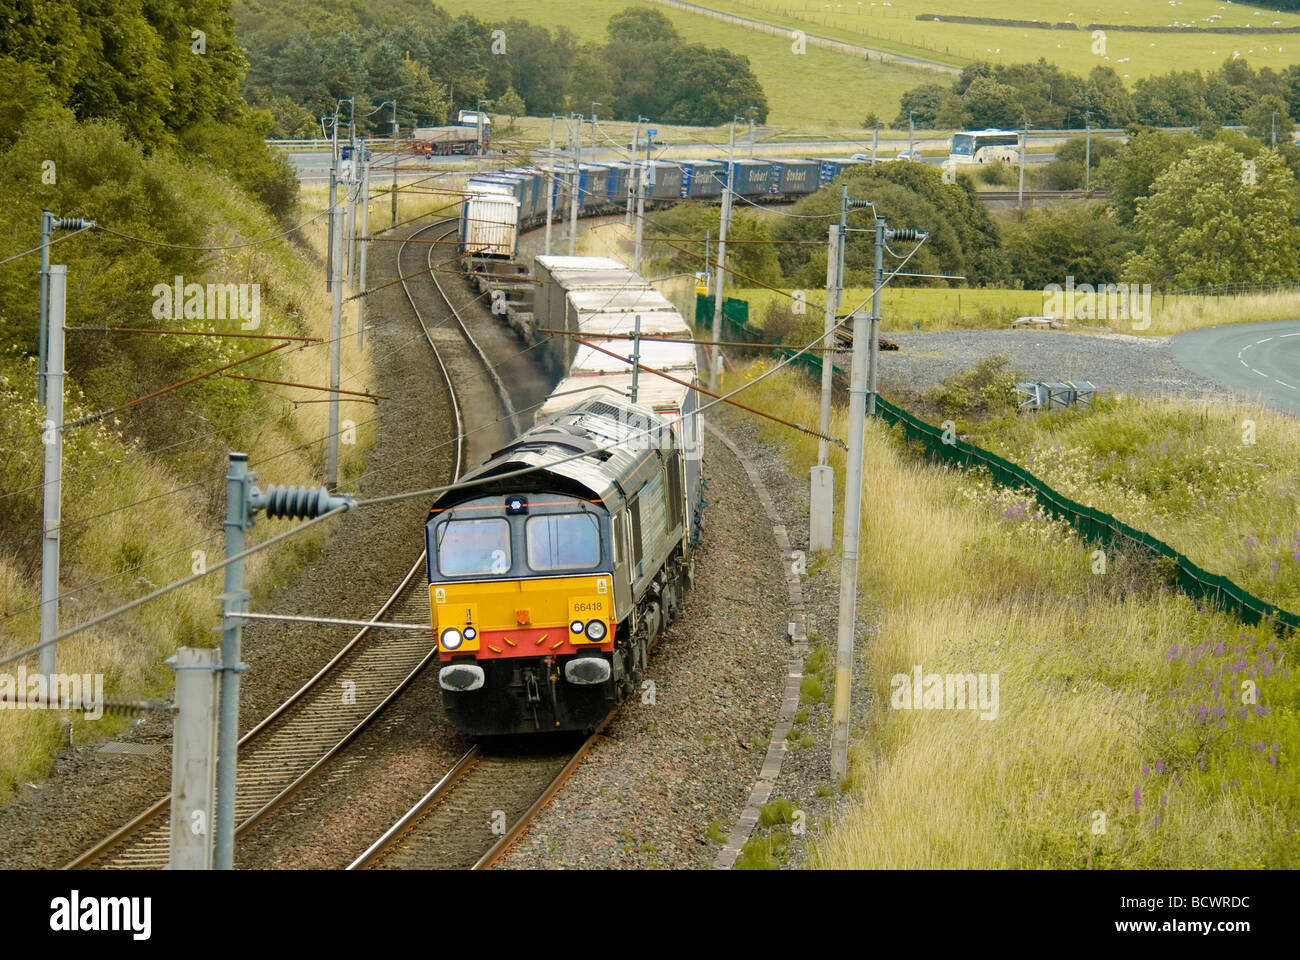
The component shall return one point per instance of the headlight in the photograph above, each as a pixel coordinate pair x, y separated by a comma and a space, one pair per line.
575, 627
451, 638
470, 633
596, 630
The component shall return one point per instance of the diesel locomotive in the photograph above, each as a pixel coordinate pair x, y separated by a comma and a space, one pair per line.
550, 578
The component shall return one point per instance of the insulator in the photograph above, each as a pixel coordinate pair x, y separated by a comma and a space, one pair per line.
68, 223
906, 233
298, 503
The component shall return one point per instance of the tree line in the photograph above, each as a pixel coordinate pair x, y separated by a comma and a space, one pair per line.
307, 54
1043, 95
1183, 211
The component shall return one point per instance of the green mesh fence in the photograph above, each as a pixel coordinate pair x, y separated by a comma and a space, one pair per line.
1092, 524
735, 315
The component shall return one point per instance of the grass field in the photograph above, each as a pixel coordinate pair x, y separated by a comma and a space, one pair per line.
1132, 54
987, 308
819, 87
1120, 738
1182, 473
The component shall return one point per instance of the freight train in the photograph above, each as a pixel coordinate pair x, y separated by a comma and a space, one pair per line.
501, 204
551, 576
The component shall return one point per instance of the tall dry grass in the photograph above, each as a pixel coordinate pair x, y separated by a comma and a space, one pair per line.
150, 513
1108, 749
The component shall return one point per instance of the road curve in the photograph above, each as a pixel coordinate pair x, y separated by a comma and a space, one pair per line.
1259, 360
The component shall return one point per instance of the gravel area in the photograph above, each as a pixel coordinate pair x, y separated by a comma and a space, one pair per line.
806, 782
1120, 362
88, 793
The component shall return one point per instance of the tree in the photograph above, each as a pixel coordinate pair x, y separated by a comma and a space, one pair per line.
1080, 240
923, 102
963, 239
709, 86
592, 79
1175, 99
459, 60
539, 65
1216, 217
1108, 99
1261, 123
1130, 171
509, 103
988, 103
642, 26
1075, 150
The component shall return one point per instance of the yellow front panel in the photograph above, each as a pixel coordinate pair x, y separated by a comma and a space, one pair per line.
513, 604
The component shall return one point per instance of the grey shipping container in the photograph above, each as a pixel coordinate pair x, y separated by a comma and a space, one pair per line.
752, 177
794, 178
556, 276
667, 181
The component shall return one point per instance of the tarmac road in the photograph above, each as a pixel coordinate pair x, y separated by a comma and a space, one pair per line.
1259, 360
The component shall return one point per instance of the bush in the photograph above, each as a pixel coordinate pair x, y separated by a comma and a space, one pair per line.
985, 390
998, 173
1062, 175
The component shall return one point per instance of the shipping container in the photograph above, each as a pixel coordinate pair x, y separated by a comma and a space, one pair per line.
555, 276
595, 187
667, 181
654, 323
675, 358
702, 179
828, 168
490, 225
794, 178
752, 177
531, 201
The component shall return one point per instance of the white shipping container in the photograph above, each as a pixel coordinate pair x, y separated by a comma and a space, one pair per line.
491, 225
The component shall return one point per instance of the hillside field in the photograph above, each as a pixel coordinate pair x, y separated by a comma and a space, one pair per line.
893, 26
818, 87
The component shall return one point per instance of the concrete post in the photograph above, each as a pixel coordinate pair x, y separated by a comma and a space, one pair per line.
52, 436
234, 601
715, 358
361, 267
194, 758
336, 342
852, 526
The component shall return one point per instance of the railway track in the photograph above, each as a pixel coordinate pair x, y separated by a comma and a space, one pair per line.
475, 813
292, 743
1004, 196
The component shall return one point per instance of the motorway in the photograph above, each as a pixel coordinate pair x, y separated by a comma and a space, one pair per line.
1258, 360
